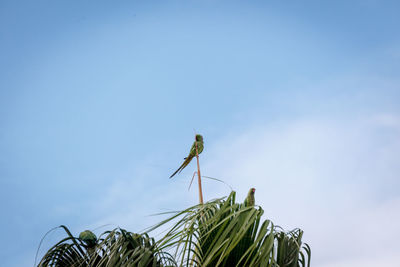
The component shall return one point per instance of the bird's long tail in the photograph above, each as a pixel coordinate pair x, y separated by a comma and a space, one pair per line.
184, 164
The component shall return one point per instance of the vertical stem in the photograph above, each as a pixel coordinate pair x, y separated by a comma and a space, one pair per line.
199, 177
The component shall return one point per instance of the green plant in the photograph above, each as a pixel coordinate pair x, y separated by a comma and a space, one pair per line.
114, 248
225, 233
221, 232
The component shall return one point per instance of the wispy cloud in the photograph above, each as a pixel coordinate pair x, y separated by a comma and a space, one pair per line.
337, 180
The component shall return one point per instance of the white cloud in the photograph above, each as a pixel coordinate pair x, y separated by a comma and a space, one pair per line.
139, 192
372, 260
337, 180
387, 120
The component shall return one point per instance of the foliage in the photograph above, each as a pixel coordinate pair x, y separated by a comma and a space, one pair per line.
114, 248
218, 233
225, 233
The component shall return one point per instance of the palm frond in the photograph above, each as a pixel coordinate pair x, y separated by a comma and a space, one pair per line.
114, 248
220, 232
225, 233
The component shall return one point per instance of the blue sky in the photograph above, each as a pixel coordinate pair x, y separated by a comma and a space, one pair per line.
99, 103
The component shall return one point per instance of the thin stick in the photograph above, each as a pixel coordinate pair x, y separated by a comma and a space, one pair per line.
191, 181
199, 176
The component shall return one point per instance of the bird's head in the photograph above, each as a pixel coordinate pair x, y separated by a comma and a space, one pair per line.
252, 191
199, 137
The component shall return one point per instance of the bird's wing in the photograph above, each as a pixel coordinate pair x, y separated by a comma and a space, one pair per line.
200, 147
192, 152
191, 155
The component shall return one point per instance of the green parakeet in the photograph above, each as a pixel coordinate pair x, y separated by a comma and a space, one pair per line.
250, 200
200, 146
88, 237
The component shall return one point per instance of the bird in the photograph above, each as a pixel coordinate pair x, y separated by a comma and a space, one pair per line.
89, 238
200, 146
250, 200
